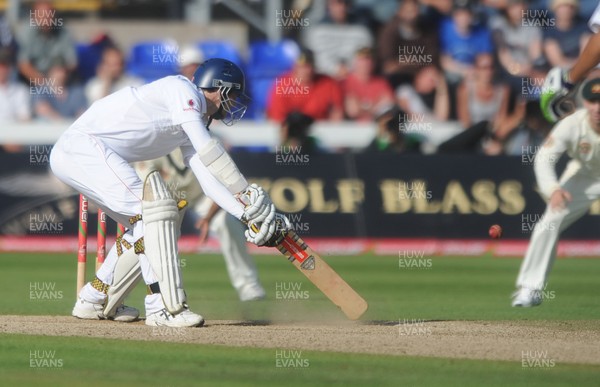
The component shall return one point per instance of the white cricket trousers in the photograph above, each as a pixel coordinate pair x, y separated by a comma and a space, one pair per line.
541, 252
86, 164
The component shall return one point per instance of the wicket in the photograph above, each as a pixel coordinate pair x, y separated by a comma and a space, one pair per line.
100, 241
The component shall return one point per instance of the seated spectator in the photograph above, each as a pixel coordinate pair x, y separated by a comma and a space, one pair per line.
405, 44
44, 41
480, 99
519, 43
563, 43
441, 6
335, 40
7, 39
530, 132
302, 90
56, 98
110, 76
190, 57
461, 42
482, 110
389, 137
427, 97
344, 12
365, 95
14, 97
294, 133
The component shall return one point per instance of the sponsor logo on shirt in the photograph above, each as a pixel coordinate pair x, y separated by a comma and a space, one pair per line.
584, 147
192, 106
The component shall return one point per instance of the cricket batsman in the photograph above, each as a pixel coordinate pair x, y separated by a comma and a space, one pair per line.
568, 198
135, 124
229, 230
560, 82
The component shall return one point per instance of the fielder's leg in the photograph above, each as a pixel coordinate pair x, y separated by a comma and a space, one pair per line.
541, 252
240, 265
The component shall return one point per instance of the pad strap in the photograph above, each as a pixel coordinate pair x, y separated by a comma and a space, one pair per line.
100, 286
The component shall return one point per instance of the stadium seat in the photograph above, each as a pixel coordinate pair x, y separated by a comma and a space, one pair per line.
88, 58
220, 49
259, 89
269, 60
153, 59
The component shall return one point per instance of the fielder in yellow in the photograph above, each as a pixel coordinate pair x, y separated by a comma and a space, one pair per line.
568, 198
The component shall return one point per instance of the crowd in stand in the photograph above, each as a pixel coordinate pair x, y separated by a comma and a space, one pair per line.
471, 70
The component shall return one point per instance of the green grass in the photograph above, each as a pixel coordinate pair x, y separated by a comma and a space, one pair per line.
106, 362
453, 288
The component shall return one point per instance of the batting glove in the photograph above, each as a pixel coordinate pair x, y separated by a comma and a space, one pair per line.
268, 234
258, 206
554, 91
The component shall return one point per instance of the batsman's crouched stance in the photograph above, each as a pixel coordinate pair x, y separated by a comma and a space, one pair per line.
94, 157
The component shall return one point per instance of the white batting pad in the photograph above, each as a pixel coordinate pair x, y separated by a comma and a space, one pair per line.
126, 276
160, 217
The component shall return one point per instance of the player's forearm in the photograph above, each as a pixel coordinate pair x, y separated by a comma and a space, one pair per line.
545, 171
214, 189
587, 60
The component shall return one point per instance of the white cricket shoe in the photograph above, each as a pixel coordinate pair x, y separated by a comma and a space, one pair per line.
90, 311
185, 319
252, 292
526, 298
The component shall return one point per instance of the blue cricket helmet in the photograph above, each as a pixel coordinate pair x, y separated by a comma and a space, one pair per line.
218, 73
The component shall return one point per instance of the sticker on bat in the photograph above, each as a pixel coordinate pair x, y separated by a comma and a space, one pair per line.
309, 264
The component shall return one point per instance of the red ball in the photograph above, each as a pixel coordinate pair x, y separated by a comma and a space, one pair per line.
495, 231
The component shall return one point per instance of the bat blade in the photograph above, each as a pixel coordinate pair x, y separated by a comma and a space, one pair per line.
322, 275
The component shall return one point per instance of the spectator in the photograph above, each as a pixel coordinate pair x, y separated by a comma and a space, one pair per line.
14, 97
389, 137
190, 57
441, 6
482, 110
294, 133
519, 43
343, 12
461, 42
530, 133
563, 43
7, 39
302, 90
427, 97
405, 44
44, 41
337, 38
365, 95
57, 98
110, 76
479, 99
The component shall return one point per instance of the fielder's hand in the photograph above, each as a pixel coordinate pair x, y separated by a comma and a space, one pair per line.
268, 234
559, 199
553, 101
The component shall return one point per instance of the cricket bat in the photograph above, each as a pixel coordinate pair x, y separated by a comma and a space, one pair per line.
322, 275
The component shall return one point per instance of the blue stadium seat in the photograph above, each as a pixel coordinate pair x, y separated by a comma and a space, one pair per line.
269, 60
88, 58
220, 49
153, 60
259, 89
